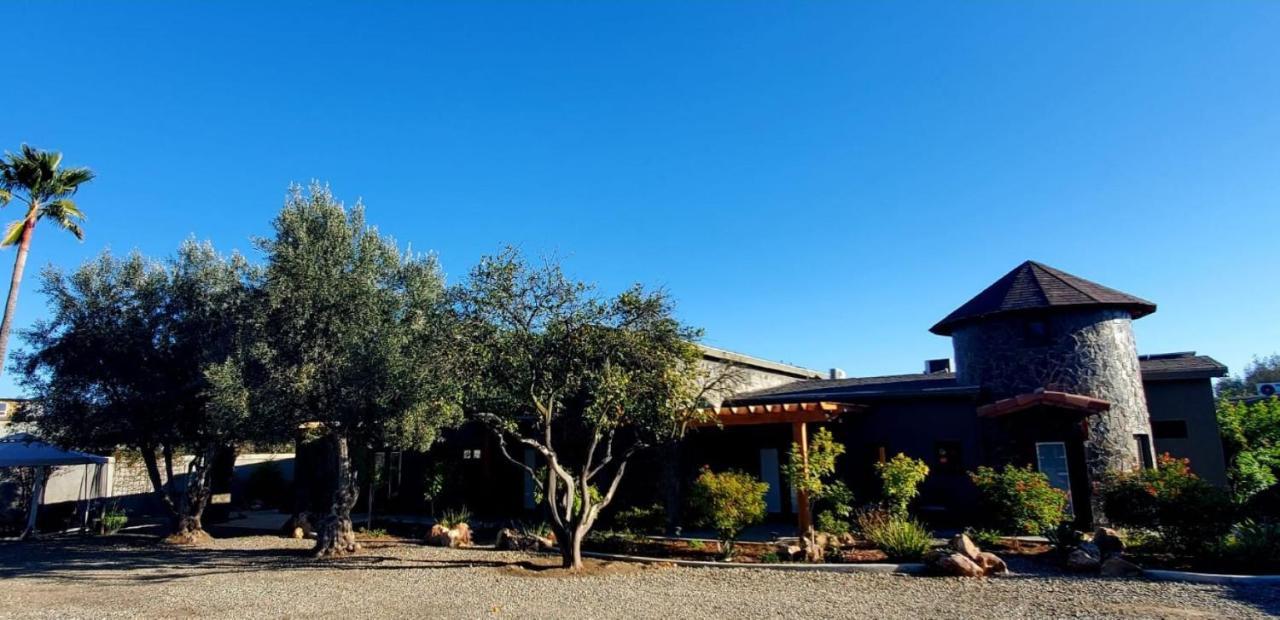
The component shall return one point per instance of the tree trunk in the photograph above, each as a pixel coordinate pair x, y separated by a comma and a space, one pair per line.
160, 487
671, 485
15, 283
571, 548
334, 534
195, 497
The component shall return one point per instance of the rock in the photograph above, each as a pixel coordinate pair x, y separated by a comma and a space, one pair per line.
964, 546
1108, 542
512, 540
463, 535
1116, 566
991, 564
789, 552
848, 540
297, 533
1091, 549
822, 540
958, 565
459, 536
1082, 561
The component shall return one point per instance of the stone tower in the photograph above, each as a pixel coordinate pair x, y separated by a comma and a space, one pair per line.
1038, 327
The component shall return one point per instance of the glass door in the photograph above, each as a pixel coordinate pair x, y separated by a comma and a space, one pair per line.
1051, 460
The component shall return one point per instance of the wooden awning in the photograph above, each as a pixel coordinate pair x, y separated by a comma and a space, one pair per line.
1087, 405
774, 413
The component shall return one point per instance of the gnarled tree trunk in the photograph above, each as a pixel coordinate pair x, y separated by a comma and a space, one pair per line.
334, 533
195, 497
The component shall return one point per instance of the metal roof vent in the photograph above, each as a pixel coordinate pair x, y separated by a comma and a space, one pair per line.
938, 365
835, 373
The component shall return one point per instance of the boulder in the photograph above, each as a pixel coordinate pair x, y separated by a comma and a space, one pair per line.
512, 540
1108, 542
459, 536
958, 565
991, 564
1081, 560
963, 545
848, 540
1116, 566
789, 552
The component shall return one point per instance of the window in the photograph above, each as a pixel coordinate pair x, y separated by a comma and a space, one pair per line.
1144, 451
471, 455
1169, 429
1051, 460
4, 410
947, 457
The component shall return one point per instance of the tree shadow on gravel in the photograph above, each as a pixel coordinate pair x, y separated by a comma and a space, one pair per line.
146, 559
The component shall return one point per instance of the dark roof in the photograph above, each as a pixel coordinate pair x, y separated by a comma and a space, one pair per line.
1161, 367
1033, 286
1184, 365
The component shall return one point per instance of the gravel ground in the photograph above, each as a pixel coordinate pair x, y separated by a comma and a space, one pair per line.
263, 576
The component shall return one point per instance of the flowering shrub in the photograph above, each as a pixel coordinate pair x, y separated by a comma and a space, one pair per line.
900, 478
1189, 514
1019, 500
728, 502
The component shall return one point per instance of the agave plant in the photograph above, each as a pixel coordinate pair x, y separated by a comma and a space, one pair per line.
35, 179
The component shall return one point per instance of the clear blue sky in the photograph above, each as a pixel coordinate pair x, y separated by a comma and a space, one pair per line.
815, 182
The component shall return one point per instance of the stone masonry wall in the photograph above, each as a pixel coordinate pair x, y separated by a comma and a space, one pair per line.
1090, 352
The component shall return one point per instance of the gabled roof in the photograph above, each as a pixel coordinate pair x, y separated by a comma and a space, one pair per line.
1034, 286
1044, 398
1184, 365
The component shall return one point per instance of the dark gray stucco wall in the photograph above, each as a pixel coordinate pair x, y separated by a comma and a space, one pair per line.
1087, 351
1191, 401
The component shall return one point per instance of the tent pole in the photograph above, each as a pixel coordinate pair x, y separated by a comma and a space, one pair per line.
37, 492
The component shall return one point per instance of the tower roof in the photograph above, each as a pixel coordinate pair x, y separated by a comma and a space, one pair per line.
1033, 286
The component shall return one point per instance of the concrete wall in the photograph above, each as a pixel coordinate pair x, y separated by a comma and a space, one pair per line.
1190, 401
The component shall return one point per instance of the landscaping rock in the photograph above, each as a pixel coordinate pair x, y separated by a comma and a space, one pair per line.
1108, 542
848, 540
1081, 560
991, 564
958, 565
512, 540
1116, 566
790, 552
458, 536
964, 546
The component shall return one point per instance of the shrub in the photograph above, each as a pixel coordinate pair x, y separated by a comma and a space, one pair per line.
901, 538
728, 502
1189, 514
1254, 544
1019, 500
900, 479
984, 538
770, 557
1264, 506
113, 520
642, 519
830, 523
454, 517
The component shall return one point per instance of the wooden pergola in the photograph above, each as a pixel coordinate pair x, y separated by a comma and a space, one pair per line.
798, 415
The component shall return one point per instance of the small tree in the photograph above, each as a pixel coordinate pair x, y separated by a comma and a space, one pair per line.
1265, 369
355, 338
728, 502
815, 479
584, 381
1251, 437
900, 479
1189, 514
1019, 500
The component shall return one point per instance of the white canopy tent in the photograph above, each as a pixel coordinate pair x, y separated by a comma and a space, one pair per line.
25, 450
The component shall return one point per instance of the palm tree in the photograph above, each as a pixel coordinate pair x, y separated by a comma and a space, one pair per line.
33, 178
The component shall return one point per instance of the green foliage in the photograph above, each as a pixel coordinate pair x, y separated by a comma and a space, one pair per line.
900, 479
984, 538
1019, 500
818, 481
828, 521
1251, 436
1254, 544
454, 517
697, 545
728, 502
375, 532
770, 557
650, 519
1264, 505
1189, 514
356, 334
1260, 370
113, 520
899, 537
37, 180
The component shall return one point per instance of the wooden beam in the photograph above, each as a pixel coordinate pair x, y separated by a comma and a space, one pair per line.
800, 436
780, 413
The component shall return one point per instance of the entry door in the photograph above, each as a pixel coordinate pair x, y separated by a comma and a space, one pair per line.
1051, 460
769, 474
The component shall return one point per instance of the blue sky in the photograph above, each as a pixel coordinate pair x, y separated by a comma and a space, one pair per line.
815, 182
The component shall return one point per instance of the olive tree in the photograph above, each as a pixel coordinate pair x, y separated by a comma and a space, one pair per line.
355, 341
124, 359
585, 381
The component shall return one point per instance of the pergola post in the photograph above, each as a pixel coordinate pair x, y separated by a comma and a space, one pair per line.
800, 437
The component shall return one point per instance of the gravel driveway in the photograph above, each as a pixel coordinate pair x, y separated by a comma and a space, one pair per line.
271, 577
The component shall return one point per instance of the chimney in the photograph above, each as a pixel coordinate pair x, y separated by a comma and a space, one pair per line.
835, 373
938, 365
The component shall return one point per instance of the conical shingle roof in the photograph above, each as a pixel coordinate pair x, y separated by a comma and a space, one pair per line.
1033, 286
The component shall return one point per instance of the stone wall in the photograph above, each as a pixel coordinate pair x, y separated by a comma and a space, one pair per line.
1089, 352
